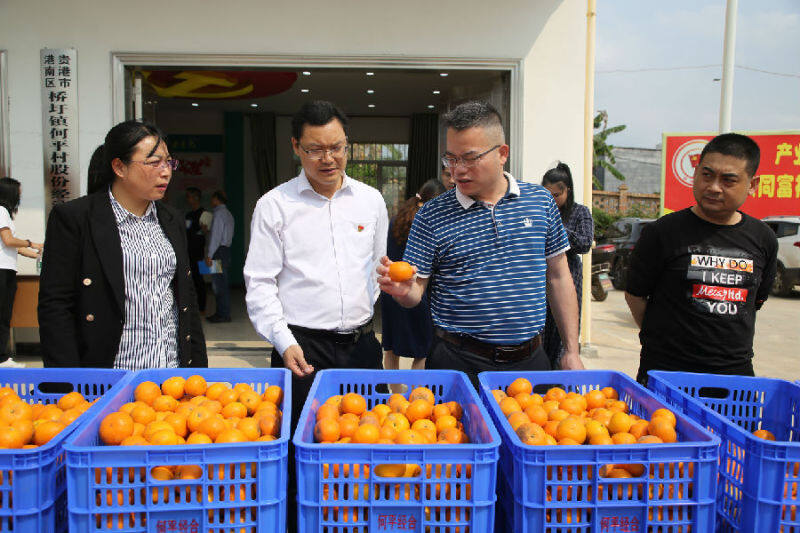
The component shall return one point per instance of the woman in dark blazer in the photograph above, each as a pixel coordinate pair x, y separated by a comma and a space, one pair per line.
116, 288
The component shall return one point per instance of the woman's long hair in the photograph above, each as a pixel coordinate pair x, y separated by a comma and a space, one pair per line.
561, 174
120, 143
405, 215
9, 195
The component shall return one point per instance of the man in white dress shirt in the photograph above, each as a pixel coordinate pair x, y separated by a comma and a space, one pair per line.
315, 242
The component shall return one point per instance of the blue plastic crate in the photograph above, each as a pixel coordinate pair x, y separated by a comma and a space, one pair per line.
758, 479
559, 488
242, 487
337, 489
32, 481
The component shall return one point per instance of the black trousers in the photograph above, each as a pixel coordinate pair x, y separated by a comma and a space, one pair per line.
321, 354
8, 289
446, 356
199, 284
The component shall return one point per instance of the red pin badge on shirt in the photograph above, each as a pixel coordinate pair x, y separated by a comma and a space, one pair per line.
360, 227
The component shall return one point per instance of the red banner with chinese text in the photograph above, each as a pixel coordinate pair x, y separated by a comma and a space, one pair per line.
778, 190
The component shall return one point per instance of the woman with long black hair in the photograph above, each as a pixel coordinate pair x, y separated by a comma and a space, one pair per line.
10, 192
116, 288
578, 223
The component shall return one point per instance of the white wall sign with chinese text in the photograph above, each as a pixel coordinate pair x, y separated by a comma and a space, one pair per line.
60, 125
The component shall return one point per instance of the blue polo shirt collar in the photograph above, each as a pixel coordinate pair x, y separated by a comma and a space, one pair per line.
467, 202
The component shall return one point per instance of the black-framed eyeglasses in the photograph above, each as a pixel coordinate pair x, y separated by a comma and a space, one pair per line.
318, 153
452, 161
158, 164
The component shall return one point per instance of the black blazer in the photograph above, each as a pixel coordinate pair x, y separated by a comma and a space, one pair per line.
82, 291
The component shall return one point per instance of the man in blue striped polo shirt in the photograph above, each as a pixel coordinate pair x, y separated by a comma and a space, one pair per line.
491, 251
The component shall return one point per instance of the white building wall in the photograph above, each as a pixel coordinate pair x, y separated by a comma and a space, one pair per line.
548, 34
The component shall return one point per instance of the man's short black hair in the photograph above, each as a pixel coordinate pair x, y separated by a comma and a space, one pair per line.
221, 196
316, 113
735, 145
474, 114
194, 192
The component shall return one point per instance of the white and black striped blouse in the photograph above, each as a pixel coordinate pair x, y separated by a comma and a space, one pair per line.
150, 333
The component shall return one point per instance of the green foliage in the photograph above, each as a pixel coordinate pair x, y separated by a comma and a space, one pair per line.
604, 219
603, 152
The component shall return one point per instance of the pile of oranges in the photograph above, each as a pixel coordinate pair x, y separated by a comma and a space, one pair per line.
28, 425
190, 411
417, 419
568, 418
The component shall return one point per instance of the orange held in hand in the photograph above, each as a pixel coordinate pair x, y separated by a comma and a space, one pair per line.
400, 271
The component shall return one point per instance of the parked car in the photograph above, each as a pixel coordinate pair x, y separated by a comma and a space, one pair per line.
623, 234
787, 229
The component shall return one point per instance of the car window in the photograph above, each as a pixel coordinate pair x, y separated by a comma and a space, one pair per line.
773, 226
786, 229
637, 230
618, 229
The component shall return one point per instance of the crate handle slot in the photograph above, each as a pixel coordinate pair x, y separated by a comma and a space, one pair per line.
542, 388
55, 387
714, 392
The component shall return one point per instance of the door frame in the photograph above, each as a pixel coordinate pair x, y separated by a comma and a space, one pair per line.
121, 60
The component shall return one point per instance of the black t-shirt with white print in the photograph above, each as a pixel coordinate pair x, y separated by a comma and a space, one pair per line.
704, 283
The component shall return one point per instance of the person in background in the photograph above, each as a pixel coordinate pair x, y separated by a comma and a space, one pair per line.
697, 276
447, 178
219, 248
116, 288
197, 243
10, 191
406, 332
493, 251
579, 225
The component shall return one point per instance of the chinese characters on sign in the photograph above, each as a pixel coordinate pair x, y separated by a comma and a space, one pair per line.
619, 524
60, 125
177, 526
396, 522
778, 189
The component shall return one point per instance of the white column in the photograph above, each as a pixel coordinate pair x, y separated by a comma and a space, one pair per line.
728, 54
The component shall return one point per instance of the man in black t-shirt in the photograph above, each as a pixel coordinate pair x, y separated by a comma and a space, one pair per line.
698, 276
196, 241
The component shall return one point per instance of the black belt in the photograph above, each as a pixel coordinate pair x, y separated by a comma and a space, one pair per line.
495, 352
350, 337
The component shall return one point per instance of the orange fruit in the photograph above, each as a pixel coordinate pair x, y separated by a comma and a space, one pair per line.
398, 422
536, 414
215, 389
70, 416
498, 395
524, 400
422, 393
5, 390
196, 417
623, 437
326, 430
138, 429
557, 414
764, 434
70, 400
594, 399
134, 440
348, 423
45, 431
353, 403
269, 424
450, 436
16, 410
568, 442
199, 438
230, 435
440, 410
228, 396
127, 407
213, 406
50, 412
242, 387
550, 427
649, 439
164, 437
593, 427
531, 434
212, 426
189, 471
516, 419
518, 386
618, 406
11, 437
366, 434
662, 428
11, 398
449, 421
115, 427
573, 406
165, 403
178, 423
509, 405
368, 417
610, 393
265, 438
409, 436
234, 409
387, 433
25, 427
195, 385
146, 392
666, 413
251, 400
174, 386
327, 410
424, 424
381, 410
250, 428
143, 414
601, 439
571, 428
555, 394
418, 409
619, 423
400, 271
455, 409
273, 394
154, 427
639, 428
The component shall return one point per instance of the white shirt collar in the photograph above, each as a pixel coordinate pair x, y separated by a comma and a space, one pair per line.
466, 202
304, 185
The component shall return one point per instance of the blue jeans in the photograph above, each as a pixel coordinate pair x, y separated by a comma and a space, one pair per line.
219, 282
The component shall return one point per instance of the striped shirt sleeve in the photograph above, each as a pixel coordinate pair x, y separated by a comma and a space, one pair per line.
420, 247
556, 241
